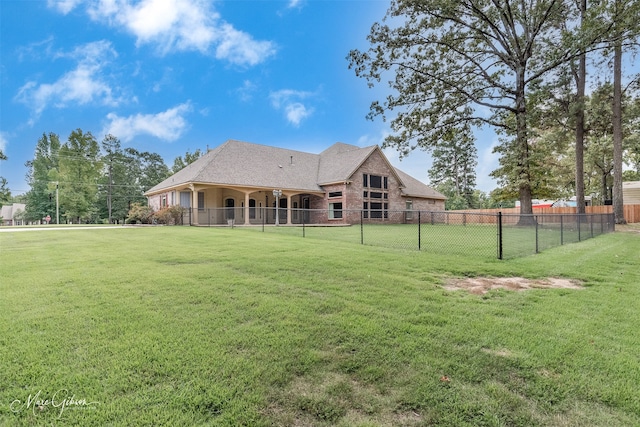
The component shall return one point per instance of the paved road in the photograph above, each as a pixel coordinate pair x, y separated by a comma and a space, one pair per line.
69, 227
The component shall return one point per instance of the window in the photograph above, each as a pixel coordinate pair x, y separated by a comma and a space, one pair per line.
252, 208
335, 210
163, 202
185, 199
409, 213
335, 194
201, 200
371, 203
376, 210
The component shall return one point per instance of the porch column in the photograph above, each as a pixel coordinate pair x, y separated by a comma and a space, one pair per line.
246, 209
288, 209
194, 205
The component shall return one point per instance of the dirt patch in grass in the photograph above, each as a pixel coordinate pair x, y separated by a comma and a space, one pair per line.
337, 399
629, 228
482, 285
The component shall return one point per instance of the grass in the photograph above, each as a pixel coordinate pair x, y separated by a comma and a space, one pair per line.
197, 326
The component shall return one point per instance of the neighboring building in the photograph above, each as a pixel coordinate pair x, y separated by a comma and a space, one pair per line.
10, 214
332, 187
631, 193
559, 203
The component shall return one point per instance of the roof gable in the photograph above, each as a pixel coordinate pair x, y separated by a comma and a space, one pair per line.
340, 161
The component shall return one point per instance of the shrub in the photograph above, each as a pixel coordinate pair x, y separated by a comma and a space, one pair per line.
139, 213
170, 215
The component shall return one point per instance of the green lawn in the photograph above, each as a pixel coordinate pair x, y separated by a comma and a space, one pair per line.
186, 326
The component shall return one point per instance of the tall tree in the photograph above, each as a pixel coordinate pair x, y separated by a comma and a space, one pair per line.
117, 180
147, 169
453, 61
454, 163
153, 170
581, 83
180, 163
79, 172
41, 173
626, 32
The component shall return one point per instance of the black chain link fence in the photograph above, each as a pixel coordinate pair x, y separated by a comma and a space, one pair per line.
486, 234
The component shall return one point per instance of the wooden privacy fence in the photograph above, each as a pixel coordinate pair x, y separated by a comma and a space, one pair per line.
631, 212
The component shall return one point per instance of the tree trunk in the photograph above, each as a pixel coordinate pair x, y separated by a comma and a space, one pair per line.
618, 202
522, 146
581, 82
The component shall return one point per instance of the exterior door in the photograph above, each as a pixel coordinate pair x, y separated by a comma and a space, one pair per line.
229, 204
305, 212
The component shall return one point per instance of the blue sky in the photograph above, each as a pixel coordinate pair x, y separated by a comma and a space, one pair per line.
174, 76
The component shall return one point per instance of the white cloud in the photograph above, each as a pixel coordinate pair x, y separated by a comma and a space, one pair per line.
64, 6
245, 92
296, 113
182, 25
239, 48
81, 86
294, 4
290, 101
167, 125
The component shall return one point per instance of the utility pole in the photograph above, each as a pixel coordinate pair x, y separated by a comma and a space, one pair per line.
110, 187
57, 205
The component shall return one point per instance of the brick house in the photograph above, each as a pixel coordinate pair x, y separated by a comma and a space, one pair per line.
236, 181
12, 214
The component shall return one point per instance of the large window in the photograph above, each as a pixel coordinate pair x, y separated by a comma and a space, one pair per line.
335, 204
375, 195
409, 212
201, 200
335, 210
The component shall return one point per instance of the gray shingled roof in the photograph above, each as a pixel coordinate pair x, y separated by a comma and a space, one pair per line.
415, 188
272, 167
269, 167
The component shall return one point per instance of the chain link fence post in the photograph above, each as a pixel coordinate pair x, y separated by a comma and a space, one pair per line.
499, 221
419, 232
535, 219
362, 227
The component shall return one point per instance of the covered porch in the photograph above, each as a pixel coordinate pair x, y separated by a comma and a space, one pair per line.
219, 205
